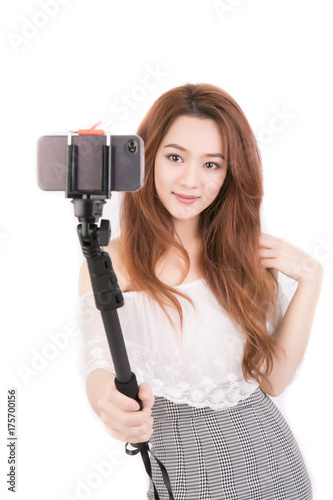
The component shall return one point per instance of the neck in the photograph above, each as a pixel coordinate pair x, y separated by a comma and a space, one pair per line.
171, 266
187, 232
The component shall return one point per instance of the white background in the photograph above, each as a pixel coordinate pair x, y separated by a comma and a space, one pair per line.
66, 65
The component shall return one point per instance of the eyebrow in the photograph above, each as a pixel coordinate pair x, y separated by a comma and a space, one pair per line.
210, 155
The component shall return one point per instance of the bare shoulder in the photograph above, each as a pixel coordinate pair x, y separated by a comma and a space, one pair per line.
113, 250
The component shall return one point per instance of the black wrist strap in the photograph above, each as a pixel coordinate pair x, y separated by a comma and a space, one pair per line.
143, 448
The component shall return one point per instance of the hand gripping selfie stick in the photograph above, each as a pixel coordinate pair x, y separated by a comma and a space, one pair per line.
88, 208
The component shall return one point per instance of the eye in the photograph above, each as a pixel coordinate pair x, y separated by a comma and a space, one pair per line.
212, 166
173, 158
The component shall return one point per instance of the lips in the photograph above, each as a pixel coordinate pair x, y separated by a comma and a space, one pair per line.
186, 198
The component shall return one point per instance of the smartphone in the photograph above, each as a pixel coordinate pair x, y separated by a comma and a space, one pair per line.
126, 162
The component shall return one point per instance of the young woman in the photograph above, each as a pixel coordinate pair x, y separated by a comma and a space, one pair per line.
208, 331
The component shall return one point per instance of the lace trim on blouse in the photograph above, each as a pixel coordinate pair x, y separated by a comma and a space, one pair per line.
203, 367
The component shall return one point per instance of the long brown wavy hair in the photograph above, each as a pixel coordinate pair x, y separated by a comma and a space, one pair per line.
229, 227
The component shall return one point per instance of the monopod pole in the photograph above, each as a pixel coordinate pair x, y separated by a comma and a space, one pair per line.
108, 298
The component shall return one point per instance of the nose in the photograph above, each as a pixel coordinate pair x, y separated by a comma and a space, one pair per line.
190, 176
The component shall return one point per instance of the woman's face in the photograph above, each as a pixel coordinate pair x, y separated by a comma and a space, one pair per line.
190, 167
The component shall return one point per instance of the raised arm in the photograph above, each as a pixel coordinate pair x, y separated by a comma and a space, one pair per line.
120, 414
294, 330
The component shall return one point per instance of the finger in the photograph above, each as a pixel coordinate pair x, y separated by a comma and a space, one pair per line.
115, 412
136, 434
134, 425
146, 395
267, 240
140, 434
267, 253
270, 263
120, 400
121, 421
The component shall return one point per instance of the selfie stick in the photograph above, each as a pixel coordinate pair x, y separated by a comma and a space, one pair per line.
88, 208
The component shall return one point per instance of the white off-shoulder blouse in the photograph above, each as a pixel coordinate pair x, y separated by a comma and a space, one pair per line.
200, 367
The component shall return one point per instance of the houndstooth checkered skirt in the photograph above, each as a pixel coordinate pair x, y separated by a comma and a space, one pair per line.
247, 452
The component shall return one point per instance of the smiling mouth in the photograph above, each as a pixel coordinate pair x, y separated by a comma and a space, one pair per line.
185, 198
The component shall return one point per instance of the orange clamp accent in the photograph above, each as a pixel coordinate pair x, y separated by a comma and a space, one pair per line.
91, 131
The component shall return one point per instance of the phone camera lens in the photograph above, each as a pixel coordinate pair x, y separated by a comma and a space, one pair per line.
132, 147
